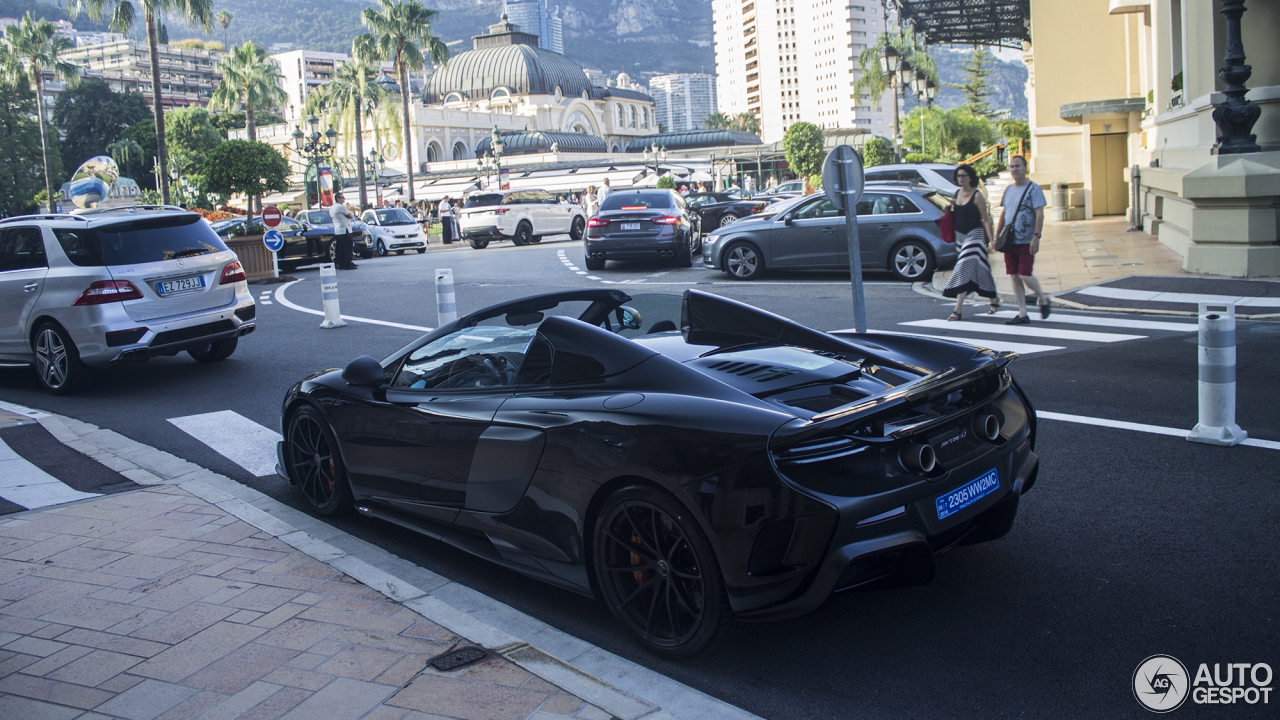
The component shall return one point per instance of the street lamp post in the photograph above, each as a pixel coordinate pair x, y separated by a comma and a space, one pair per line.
655, 154
314, 147
889, 64
495, 146
374, 164
930, 91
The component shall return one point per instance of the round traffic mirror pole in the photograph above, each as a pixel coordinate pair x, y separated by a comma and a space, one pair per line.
842, 182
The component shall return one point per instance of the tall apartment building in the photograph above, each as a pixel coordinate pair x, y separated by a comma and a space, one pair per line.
787, 61
534, 18
683, 101
304, 71
188, 76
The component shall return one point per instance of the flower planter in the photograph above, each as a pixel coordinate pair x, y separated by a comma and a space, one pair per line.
254, 256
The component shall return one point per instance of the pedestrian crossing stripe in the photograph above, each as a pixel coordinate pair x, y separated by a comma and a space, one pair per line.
235, 437
995, 344
22, 483
1095, 321
1022, 331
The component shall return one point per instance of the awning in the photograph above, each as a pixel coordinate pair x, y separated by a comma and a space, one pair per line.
289, 198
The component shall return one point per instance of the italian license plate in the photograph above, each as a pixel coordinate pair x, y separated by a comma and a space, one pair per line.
630, 226
968, 494
169, 287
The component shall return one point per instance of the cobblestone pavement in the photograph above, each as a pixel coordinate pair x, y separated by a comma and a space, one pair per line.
157, 604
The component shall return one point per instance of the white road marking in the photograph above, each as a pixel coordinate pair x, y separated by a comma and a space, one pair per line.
580, 272
29, 486
1142, 427
264, 302
1023, 330
280, 298
1020, 348
235, 437
1059, 317
1172, 297
592, 277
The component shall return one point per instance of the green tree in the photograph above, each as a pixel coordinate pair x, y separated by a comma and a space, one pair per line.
125, 152
33, 48
251, 82
91, 116
224, 19
746, 122
877, 151
666, 182
399, 32
805, 146
950, 135
245, 166
123, 15
1014, 130
20, 155
225, 122
717, 121
976, 89
350, 97
194, 136
143, 133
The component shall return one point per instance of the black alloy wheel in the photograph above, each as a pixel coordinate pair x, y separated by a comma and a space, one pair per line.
743, 262
578, 227
478, 243
524, 234
58, 364
333, 251
658, 575
314, 464
382, 249
216, 350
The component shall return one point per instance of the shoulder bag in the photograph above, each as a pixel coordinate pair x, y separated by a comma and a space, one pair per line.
1005, 241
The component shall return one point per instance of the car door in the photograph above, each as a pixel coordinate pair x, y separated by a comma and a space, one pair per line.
412, 442
879, 217
557, 215
23, 267
807, 236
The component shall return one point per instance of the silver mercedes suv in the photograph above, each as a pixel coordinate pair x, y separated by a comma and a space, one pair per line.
78, 292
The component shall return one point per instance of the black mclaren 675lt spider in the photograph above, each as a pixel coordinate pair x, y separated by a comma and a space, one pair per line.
691, 461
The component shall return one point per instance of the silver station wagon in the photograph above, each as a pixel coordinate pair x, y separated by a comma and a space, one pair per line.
79, 292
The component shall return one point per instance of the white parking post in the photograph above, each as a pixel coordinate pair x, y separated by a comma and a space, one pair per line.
329, 296
1217, 353
446, 306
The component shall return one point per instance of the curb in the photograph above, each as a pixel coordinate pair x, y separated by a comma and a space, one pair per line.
630, 692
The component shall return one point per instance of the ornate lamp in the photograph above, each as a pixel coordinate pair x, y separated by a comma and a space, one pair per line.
930, 91
298, 138
919, 83
889, 60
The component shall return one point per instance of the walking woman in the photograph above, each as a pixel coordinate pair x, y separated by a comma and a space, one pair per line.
972, 272
590, 204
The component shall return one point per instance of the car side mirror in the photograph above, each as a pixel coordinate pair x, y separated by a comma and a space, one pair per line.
363, 371
628, 317
786, 219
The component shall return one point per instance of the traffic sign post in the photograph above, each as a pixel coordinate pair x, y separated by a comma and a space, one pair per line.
274, 241
271, 216
842, 181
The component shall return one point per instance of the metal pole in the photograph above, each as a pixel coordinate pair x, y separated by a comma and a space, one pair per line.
1217, 386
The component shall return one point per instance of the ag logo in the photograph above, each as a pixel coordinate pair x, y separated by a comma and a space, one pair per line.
1160, 683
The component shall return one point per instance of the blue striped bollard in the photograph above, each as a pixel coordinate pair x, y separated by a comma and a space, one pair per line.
329, 296
1217, 354
446, 305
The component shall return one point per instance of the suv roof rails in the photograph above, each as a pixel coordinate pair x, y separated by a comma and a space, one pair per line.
46, 216
129, 208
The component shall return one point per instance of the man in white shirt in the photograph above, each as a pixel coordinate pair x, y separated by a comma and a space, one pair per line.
342, 231
604, 192
446, 220
1023, 205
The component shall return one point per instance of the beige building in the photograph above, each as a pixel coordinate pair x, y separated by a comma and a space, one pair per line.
1121, 83
188, 76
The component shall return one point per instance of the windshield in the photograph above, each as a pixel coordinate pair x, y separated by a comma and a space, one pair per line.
394, 216
947, 173
484, 200
157, 239
636, 201
781, 206
942, 202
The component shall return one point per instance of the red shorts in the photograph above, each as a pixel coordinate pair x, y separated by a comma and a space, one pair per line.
1018, 260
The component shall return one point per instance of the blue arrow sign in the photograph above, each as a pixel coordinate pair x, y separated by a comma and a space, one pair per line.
273, 240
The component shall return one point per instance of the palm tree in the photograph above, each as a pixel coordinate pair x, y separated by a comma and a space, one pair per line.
224, 19
348, 98
123, 151
872, 79
746, 122
123, 14
32, 47
399, 32
717, 121
250, 81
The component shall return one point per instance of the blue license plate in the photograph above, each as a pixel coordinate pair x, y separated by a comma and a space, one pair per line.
968, 494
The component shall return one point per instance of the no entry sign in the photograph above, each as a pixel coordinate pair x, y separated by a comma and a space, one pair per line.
271, 216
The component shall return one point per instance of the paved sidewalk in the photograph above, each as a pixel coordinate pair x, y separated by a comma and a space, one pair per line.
158, 604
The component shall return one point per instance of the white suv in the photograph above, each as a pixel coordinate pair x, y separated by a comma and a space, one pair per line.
79, 292
521, 216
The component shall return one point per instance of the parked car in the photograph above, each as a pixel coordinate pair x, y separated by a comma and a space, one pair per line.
935, 175
394, 230
720, 209
318, 223
898, 230
690, 461
790, 187
521, 216
643, 224
80, 292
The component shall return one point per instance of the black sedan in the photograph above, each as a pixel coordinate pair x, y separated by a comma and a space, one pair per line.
689, 460
641, 225
720, 209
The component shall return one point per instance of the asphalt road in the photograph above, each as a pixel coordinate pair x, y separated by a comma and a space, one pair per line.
1131, 544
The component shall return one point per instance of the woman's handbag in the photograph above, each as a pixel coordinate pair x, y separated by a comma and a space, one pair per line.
1005, 242
947, 224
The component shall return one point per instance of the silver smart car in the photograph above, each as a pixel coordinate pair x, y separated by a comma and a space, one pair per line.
78, 292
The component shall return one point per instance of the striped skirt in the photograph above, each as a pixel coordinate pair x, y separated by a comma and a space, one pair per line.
972, 273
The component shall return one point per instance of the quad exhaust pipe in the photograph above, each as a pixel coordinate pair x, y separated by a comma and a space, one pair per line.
666, 253
918, 458
987, 427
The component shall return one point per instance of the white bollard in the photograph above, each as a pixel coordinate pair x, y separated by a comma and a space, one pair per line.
1217, 353
329, 296
446, 306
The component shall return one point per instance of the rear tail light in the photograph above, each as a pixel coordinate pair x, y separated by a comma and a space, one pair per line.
668, 220
105, 291
232, 273
597, 222
500, 211
758, 208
